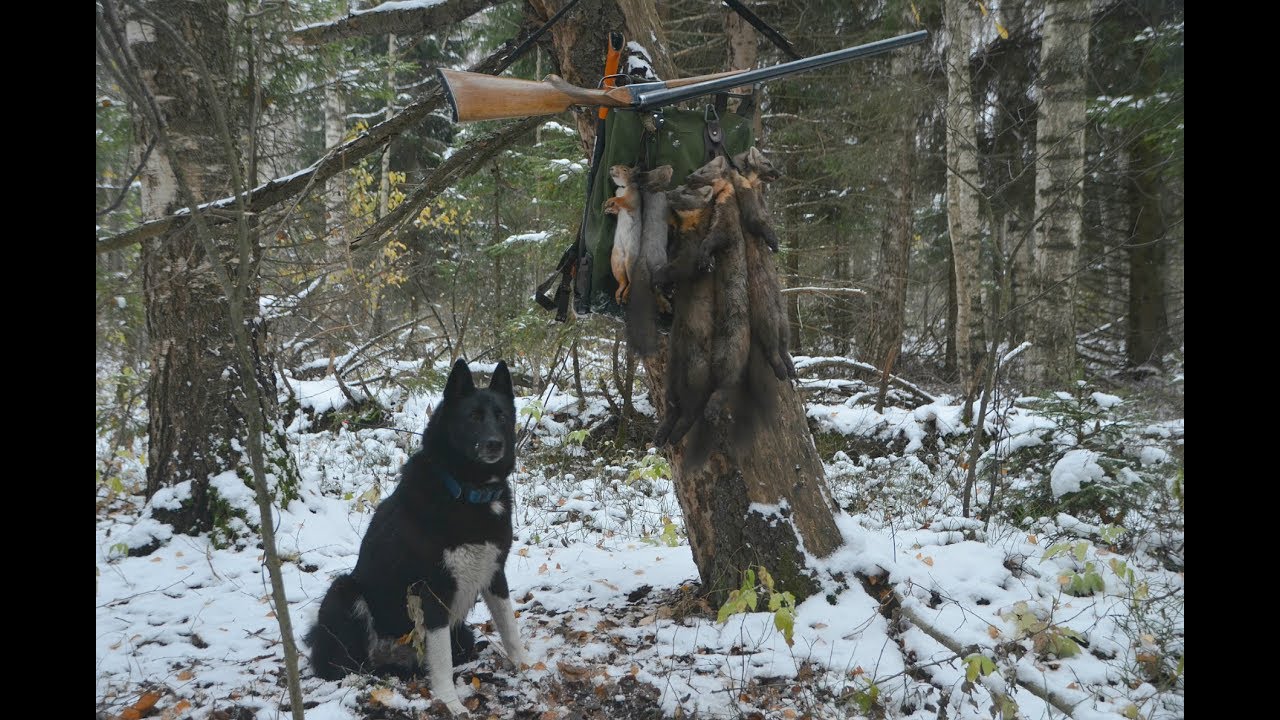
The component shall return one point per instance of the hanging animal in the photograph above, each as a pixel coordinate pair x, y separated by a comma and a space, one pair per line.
770, 330
645, 300
721, 252
626, 235
756, 168
689, 367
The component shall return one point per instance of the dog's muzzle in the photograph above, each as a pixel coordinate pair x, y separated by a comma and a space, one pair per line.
490, 451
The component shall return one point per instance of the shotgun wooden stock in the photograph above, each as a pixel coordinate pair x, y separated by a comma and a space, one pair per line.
476, 96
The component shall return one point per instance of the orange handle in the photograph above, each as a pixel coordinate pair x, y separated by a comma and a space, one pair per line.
612, 57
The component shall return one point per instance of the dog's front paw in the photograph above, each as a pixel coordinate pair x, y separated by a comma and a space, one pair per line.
519, 659
454, 706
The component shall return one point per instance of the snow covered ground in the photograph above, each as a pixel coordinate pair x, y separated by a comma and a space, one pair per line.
603, 580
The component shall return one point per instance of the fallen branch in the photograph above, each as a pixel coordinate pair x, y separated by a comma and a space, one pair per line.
811, 290
949, 643
820, 364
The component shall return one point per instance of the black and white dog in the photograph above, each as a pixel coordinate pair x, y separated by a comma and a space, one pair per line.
442, 537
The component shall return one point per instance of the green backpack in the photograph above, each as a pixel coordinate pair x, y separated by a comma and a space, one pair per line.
683, 139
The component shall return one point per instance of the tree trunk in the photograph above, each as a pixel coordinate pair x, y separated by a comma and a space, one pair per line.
883, 340
764, 506
1059, 196
194, 393
964, 202
335, 188
1148, 329
792, 258
577, 46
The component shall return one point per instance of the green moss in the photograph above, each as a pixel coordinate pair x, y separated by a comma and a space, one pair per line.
221, 532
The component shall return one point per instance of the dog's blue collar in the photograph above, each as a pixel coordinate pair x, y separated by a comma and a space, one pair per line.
475, 496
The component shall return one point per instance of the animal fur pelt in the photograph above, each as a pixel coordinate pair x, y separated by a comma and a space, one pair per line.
730, 336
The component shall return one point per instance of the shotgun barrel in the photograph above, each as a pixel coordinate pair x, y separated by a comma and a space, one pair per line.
653, 95
475, 96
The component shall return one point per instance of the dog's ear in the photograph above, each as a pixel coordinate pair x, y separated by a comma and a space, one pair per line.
460, 382
501, 381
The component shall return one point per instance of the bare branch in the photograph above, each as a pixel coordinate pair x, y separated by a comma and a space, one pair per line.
459, 165
810, 290
338, 159
401, 18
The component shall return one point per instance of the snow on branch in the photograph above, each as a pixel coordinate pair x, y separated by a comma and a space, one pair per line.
808, 289
338, 158
402, 18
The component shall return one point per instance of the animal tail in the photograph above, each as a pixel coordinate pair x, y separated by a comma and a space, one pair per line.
757, 401
642, 312
340, 638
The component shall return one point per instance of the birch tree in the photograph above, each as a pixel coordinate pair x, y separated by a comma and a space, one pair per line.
964, 199
1059, 177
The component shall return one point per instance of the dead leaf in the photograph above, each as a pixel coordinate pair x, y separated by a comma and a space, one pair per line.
574, 672
993, 631
1032, 539
523, 552
635, 669
639, 572
381, 696
539, 665
185, 675
472, 702
542, 569
665, 612
607, 584
475, 681
146, 702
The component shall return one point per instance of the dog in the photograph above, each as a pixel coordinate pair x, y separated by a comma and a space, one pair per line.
441, 537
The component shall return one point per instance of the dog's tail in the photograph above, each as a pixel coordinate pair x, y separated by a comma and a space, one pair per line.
340, 639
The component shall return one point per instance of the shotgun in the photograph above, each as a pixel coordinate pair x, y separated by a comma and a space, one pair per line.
476, 96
